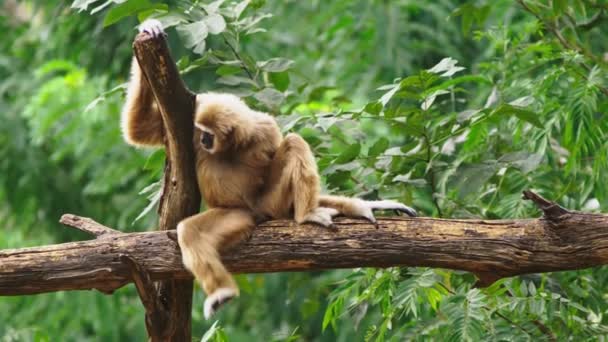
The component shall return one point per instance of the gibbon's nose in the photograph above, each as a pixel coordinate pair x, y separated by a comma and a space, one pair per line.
207, 140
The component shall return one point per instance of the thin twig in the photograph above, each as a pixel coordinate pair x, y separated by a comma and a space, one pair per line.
431, 174
238, 56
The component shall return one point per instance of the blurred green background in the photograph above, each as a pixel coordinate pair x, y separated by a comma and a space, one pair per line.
453, 107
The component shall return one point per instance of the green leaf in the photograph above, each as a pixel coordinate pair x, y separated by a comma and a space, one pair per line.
270, 97
560, 6
378, 147
470, 178
335, 167
194, 35
155, 191
213, 7
428, 101
210, 332
349, 154
239, 8
226, 70
523, 288
446, 67
169, 19
215, 23
275, 64
389, 95
520, 113
280, 80
159, 12
524, 161
232, 80
82, 5
532, 288
326, 122
458, 80
373, 108
126, 9
407, 180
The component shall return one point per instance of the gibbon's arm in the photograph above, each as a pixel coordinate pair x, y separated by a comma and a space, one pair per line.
141, 122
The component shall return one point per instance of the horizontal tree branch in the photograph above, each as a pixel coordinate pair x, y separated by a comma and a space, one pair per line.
561, 240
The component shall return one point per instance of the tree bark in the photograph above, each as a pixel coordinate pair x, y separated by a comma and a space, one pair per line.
561, 240
168, 304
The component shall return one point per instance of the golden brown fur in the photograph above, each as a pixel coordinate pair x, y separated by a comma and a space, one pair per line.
249, 172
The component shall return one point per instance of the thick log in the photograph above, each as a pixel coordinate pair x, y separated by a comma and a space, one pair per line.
561, 240
168, 308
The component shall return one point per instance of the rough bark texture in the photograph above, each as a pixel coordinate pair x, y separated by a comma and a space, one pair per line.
561, 240
169, 306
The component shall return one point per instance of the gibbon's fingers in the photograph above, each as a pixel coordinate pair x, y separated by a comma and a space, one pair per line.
392, 205
217, 299
322, 216
152, 27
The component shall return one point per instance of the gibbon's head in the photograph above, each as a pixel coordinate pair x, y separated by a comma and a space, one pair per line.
224, 121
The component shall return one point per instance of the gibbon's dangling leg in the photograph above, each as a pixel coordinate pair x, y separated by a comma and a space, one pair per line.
295, 185
141, 122
355, 207
201, 238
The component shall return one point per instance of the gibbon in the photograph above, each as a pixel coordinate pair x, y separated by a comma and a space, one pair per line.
247, 172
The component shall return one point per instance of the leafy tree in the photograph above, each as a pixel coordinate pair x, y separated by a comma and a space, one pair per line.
454, 106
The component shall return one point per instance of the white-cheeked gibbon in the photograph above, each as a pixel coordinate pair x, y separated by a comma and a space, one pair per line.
246, 170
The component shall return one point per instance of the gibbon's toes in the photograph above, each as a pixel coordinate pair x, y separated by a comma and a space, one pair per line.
218, 298
368, 215
407, 210
363, 209
392, 205
152, 27
322, 216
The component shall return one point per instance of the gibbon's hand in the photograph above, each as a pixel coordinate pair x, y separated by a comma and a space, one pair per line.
152, 27
322, 216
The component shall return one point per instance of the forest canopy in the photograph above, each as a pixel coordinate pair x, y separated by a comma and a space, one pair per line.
453, 107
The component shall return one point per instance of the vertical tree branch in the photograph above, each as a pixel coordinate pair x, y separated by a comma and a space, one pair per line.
180, 197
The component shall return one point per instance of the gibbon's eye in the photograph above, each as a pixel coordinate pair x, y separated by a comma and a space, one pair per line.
207, 140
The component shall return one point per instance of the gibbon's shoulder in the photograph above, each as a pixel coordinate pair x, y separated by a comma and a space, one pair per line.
212, 104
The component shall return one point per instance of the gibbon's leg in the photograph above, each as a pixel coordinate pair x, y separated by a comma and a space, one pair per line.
141, 122
355, 207
201, 237
294, 184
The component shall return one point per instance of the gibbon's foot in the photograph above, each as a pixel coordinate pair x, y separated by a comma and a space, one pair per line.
152, 27
218, 298
322, 216
365, 209
393, 205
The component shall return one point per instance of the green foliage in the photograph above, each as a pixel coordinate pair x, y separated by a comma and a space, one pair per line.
454, 107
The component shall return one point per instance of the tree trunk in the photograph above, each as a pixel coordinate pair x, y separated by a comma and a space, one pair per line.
169, 303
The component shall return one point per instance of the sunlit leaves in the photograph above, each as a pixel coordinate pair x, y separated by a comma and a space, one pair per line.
275, 64
446, 67
128, 8
215, 23
270, 97
378, 147
194, 35
82, 5
349, 154
522, 114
